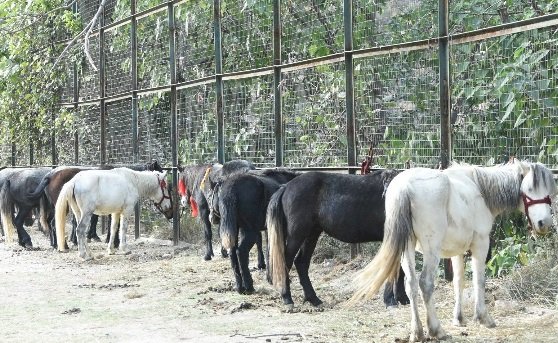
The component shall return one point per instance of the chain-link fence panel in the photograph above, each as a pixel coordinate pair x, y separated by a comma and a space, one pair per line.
116, 10
314, 116
67, 89
64, 137
88, 77
397, 109
89, 134
249, 120
479, 14
143, 5
379, 23
197, 125
153, 50
505, 98
154, 140
87, 10
5, 154
119, 132
195, 49
310, 29
247, 34
118, 60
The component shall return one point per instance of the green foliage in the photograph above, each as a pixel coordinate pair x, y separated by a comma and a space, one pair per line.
30, 32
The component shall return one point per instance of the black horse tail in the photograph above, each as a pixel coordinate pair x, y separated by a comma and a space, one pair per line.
60, 212
277, 273
7, 212
38, 192
398, 230
228, 227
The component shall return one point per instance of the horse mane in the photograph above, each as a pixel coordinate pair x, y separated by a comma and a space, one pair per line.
499, 186
542, 175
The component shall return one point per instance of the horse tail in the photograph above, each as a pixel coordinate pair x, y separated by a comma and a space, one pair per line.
398, 230
38, 192
228, 227
60, 212
277, 273
43, 215
7, 211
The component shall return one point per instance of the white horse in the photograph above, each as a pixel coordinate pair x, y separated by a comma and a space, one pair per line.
105, 192
443, 214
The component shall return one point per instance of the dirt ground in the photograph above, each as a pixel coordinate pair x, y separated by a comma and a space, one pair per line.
165, 293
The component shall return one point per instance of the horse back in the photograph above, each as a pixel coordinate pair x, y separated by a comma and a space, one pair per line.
347, 207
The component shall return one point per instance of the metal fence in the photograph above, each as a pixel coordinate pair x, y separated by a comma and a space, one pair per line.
308, 84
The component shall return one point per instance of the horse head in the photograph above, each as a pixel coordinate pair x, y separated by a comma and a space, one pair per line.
537, 189
164, 205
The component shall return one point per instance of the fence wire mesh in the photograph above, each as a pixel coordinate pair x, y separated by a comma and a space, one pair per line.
119, 132
88, 123
247, 35
153, 51
311, 29
195, 49
118, 60
398, 109
88, 77
65, 138
197, 125
154, 139
522, 120
250, 121
314, 114
375, 21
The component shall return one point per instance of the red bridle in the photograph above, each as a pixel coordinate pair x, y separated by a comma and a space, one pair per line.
528, 201
163, 185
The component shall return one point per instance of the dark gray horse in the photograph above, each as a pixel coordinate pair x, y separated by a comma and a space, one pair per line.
190, 184
240, 202
16, 185
349, 208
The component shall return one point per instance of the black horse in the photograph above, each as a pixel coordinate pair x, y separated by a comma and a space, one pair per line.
192, 181
349, 208
52, 183
240, 202
16, 184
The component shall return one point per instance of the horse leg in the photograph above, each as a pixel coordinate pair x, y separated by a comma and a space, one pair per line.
224, 253
261, 258
204, 215
429, 269
479, 250
24, 238
92, 233
123, 228
458, 267
411, 288
302, 264
81, 233
394, 293
247, 240
112, 234
236, 270
73, 236
109, 230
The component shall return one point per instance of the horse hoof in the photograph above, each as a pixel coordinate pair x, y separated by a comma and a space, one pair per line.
207, 258
249, 291
314, 301
95, 239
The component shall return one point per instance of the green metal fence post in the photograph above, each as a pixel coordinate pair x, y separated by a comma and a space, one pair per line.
277, 108
174, 131
445, 120
219, 81
135, 123
103, 121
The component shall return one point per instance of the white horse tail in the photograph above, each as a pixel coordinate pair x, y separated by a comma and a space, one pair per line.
277, 273
60, 213
398, 229
6, 212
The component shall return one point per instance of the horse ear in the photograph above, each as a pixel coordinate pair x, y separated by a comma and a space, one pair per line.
525, 167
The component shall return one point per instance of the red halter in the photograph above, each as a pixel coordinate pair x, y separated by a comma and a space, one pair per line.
163, 185
528, 201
